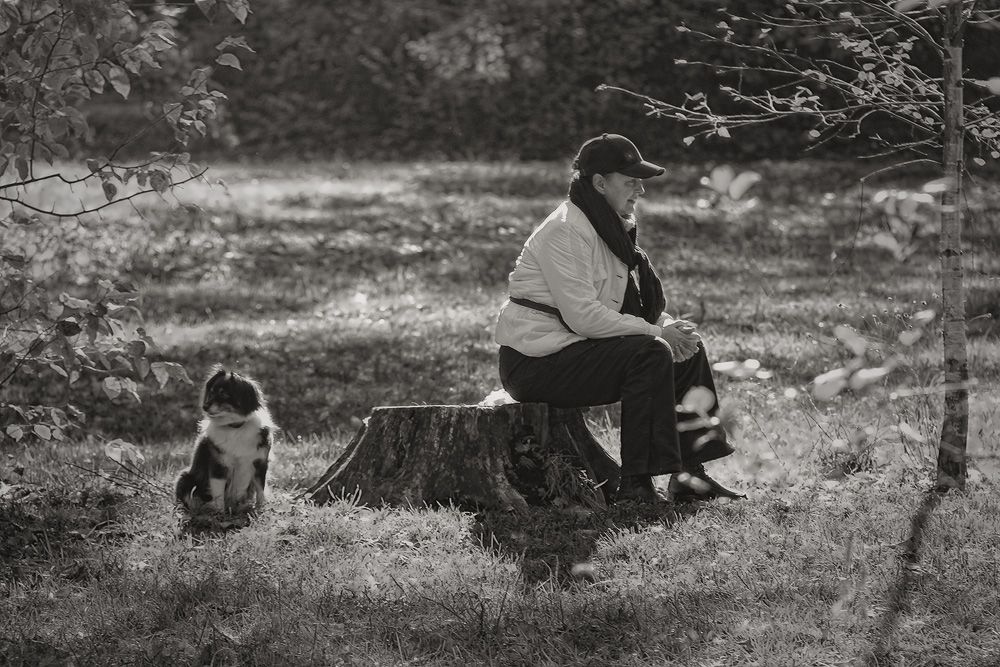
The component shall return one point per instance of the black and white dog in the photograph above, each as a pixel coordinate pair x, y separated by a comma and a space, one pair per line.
229, 467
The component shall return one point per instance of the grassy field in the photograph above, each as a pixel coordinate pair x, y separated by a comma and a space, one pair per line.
342, 287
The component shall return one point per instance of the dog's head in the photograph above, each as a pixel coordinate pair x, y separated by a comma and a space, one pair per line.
230, 394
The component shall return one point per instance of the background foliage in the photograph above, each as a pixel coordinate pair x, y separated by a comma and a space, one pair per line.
493, 79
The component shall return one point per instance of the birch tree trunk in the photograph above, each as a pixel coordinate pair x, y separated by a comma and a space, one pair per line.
951, 464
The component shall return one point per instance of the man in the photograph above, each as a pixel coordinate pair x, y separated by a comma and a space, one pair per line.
585, 326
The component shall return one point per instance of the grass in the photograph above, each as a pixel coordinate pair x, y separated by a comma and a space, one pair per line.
342, 287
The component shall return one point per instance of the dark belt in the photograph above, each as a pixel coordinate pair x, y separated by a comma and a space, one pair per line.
545, 308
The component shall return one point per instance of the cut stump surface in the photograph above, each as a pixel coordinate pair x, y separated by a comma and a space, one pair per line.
506, 457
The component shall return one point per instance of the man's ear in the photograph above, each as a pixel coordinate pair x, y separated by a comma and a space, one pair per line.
599, 183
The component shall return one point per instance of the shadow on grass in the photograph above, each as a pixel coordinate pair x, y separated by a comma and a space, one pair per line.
204, 525
884, 639
557, 545
597, 628
318, 377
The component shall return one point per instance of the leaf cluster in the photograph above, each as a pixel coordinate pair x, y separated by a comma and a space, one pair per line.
100, 337
55, 55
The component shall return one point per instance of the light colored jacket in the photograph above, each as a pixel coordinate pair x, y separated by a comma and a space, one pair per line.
564, 263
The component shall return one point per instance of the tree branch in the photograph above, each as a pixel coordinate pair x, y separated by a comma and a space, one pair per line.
38, 344
103, 206
982, 119
34, 100
900, 165
918, 29
77, 181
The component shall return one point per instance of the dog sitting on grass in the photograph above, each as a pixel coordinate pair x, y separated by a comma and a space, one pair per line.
229, 467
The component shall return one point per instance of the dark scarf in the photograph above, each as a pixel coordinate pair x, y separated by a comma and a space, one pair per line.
646, 299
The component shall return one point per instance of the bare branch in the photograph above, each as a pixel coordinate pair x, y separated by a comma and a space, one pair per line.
984, 19
983, 119
83, 179
918, 29
908, 148
103, 206
900, 165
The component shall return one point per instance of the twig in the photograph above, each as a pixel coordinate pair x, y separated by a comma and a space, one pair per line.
149, 482
36, 209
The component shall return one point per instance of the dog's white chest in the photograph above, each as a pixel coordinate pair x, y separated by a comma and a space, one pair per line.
238, 448
236, 444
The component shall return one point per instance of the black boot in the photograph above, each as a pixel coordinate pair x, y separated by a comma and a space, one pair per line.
637, 488
695, 484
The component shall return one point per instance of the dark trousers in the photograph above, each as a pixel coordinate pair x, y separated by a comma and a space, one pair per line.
640, 372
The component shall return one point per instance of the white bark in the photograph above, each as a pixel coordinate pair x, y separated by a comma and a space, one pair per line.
952, 467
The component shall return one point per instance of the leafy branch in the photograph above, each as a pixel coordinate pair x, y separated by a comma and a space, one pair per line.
160, 185
877, 76
54, 56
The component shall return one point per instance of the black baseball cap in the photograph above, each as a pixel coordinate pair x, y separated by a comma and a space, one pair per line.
613, 153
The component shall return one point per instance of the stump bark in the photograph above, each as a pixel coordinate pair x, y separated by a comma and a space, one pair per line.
506, 457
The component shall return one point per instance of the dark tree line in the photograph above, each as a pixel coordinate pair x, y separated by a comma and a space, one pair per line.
491, 79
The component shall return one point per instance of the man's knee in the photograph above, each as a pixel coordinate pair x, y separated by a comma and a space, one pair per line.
655, 353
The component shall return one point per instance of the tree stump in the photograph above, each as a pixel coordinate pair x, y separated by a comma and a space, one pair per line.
506, 457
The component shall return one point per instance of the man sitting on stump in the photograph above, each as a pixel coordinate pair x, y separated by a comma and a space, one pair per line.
585, 325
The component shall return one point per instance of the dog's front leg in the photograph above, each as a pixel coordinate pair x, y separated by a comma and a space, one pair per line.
259, 481
218, 489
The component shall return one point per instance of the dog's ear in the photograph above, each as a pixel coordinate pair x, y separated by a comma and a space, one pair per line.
216, 372
216, 377
245, 393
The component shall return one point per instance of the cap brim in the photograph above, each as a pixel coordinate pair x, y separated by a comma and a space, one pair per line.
642, 169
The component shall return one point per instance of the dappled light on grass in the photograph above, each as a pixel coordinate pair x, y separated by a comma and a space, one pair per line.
347, 287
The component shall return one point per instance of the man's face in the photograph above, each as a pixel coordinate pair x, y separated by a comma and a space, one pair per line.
621, 191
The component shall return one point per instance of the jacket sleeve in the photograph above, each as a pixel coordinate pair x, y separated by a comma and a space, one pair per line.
566, 261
